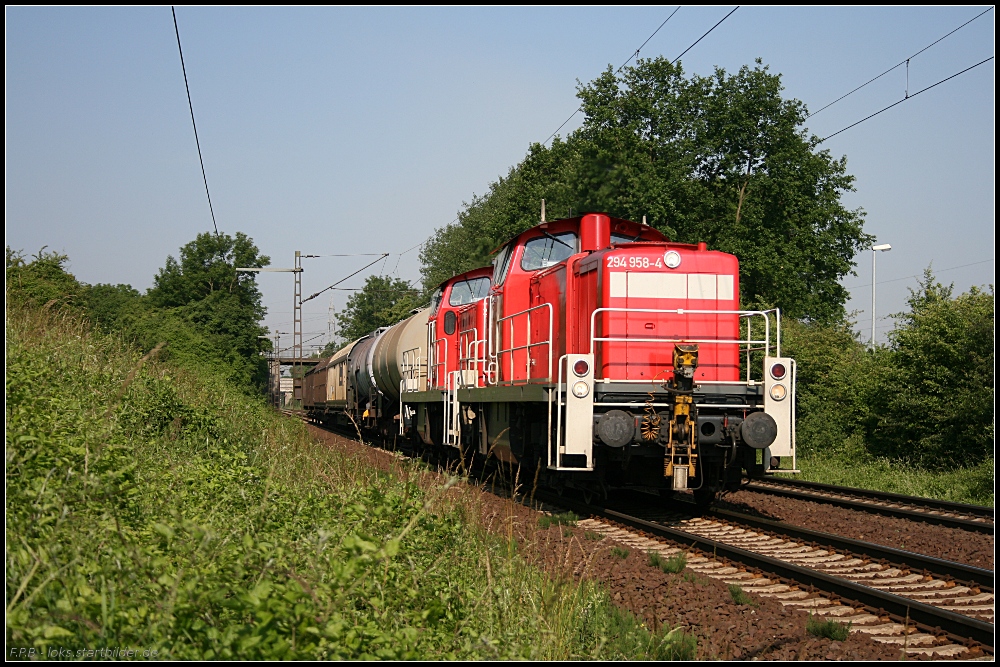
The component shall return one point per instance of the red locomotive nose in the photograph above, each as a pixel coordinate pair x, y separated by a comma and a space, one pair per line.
778, 371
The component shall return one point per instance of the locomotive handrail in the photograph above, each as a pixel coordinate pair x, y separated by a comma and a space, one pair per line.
469, 357
747, 314
527, 346
433, 361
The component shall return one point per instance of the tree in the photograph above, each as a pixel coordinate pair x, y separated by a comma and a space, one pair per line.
382, 302
225, 307
723, 159
932, 402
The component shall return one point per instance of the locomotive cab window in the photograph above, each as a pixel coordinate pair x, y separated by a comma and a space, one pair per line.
618, 237
469, 291
435, 301
544, 251
501, 263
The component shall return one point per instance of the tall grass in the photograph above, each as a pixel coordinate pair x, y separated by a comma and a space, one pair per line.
965, 485
161, 509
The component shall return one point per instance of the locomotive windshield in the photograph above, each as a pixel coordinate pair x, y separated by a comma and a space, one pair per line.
469, 291
544, 251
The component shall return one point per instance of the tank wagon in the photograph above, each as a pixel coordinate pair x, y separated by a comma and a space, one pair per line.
594, 352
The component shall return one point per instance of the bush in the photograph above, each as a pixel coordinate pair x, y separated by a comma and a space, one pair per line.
924, 400
932, 399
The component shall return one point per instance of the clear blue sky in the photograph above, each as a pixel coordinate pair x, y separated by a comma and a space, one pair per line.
361, 130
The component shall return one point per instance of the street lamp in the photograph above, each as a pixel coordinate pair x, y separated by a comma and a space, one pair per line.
885, 247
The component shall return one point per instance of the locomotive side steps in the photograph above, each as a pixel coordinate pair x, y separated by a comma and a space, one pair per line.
942, 512
917, 612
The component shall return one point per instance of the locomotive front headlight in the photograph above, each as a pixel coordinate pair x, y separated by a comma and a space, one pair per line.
778, 392
580, 390
672, 259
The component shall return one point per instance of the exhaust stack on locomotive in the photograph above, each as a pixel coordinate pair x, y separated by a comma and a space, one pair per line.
595, 351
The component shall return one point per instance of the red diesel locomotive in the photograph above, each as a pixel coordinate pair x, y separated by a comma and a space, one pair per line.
594, 352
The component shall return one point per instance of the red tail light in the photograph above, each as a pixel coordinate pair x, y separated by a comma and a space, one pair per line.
581, 367
778, 371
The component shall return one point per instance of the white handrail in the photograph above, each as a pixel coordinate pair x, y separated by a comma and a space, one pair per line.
747, 314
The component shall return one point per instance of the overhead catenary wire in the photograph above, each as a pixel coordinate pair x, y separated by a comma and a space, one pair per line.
907, 98
705, 35
917, 275
193, 124
579, 108
905, 61
381, 257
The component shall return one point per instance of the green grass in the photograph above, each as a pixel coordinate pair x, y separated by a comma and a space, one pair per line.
740, 596
155, 508
591, 535
563, 519
672, 565
965, 485
827, 628
619, 552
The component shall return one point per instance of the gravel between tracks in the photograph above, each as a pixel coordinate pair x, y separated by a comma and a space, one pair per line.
954, 544
725, 630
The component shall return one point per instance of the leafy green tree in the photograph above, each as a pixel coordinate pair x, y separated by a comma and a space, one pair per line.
382, 302
831, 367
115, 307
202, 288
931, 401
723, 159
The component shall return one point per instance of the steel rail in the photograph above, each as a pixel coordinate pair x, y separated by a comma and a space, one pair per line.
934, 503
899, 557
813, 491
927, 615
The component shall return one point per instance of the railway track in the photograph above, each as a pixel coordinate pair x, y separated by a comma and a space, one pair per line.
924, 605
955, 515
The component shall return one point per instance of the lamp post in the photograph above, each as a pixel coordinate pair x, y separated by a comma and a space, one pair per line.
885, 247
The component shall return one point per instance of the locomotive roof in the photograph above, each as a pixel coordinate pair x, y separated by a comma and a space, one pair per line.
615, 222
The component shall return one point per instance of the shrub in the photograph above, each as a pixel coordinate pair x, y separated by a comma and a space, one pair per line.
932, 400
619, 552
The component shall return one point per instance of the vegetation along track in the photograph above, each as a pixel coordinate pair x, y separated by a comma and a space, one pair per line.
955, 515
